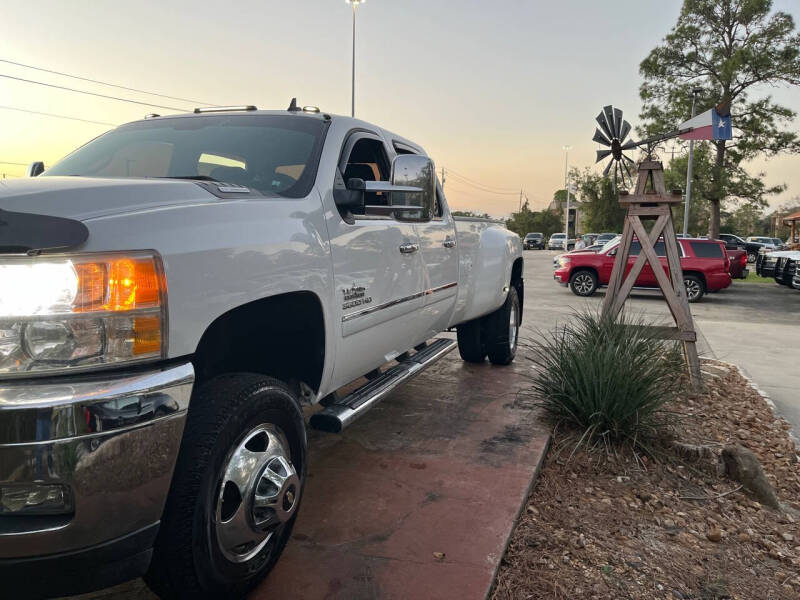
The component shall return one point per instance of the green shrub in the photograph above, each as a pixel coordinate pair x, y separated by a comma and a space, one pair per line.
606, 378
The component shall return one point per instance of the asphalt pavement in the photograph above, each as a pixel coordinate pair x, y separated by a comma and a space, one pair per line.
755, 326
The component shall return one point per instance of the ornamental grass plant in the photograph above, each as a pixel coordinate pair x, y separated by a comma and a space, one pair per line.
607, 378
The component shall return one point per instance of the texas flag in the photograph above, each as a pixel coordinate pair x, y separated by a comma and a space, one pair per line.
714, 124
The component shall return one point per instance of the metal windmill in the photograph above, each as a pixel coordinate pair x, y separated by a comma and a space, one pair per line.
612, 134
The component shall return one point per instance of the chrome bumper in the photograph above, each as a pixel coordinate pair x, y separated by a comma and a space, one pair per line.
110, 440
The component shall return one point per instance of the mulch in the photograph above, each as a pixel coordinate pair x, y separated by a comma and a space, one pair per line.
610, 523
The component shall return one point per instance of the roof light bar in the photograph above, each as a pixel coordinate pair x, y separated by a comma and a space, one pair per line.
211, 109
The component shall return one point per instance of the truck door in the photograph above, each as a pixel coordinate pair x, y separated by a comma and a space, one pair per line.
440, 263
377, 267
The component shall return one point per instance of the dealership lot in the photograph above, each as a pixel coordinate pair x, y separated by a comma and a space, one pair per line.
755, 326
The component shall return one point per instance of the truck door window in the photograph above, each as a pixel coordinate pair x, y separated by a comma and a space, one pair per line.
368, 161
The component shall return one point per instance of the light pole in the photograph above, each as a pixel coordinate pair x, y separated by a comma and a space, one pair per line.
566, 185
695, 91
353, 78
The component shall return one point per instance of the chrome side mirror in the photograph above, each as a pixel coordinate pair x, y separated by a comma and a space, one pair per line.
414, 171
35, 169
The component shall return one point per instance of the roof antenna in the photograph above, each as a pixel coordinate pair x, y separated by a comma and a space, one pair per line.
293, 105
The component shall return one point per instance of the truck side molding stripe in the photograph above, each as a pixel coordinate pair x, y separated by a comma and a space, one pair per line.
372, 309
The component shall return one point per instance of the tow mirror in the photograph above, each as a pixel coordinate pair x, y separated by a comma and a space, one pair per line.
35, 169
414, 171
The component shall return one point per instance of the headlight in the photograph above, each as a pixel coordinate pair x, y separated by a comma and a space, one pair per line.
563, 261
67, 312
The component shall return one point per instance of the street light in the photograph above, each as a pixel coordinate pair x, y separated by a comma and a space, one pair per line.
353, 79
566, 185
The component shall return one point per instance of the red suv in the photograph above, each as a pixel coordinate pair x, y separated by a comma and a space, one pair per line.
705, 266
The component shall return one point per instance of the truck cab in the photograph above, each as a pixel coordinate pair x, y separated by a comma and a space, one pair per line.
175, 293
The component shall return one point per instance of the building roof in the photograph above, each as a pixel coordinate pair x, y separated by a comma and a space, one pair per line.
792, 217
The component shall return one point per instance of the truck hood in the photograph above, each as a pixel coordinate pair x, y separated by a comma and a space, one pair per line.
84, 198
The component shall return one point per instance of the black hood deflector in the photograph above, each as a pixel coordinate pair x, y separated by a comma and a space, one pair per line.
25, 232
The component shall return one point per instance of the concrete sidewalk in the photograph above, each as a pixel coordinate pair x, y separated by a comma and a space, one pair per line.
418, 499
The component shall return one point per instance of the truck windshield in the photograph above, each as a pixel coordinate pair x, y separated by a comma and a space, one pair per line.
274, 154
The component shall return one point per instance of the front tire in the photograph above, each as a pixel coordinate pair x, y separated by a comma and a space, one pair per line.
502, 330
235, 492
751, 257
583, 283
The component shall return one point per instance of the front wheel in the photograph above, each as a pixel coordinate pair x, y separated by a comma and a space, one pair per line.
751, 257
235, 492
583, 283
695, 288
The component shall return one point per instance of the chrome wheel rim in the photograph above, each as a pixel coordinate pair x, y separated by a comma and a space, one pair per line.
751, 258
692, 288
513, 328
583, 283
258, 492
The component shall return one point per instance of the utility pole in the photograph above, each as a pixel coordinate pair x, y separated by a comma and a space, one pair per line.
444, 178
566, 185
353, 78
695, 91
520, 200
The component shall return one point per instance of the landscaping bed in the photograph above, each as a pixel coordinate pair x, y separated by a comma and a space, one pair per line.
608, 522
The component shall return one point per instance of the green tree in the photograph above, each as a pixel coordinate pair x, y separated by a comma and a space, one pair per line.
600, 203
729, 49
526, 221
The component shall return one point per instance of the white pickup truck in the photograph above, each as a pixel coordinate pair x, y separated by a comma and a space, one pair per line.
173, 293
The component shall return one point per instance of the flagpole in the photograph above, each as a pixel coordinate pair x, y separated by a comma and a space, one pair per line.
695, 91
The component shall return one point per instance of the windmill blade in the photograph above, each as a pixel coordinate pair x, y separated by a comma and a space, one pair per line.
608, 167
617, 122
600, 138
616, 167
601, 120
630, 145
626, 129
609, 114
601, 154
630, 160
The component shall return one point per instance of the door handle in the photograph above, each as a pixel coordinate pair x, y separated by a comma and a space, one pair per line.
449, 243
408, 248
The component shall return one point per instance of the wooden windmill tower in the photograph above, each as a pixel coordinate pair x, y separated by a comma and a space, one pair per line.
649, 202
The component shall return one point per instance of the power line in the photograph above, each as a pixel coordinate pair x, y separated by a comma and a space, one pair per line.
5, 162
61, 87
36, 112
459, 175
474, 189
114, 85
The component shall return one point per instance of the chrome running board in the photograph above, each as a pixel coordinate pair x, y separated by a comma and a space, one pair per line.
342, 412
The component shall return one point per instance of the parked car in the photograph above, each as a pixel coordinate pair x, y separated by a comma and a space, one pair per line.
190, 282
780, 265
592, 248
556, 241
533, 241
734, 241
604, 238
766, 243
589, 239
738, 263
705, 267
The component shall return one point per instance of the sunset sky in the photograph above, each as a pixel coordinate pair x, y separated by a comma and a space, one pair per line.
492, 90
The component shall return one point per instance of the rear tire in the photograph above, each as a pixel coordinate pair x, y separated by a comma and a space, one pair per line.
470, 341
502, 330
232, 419
695, 288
